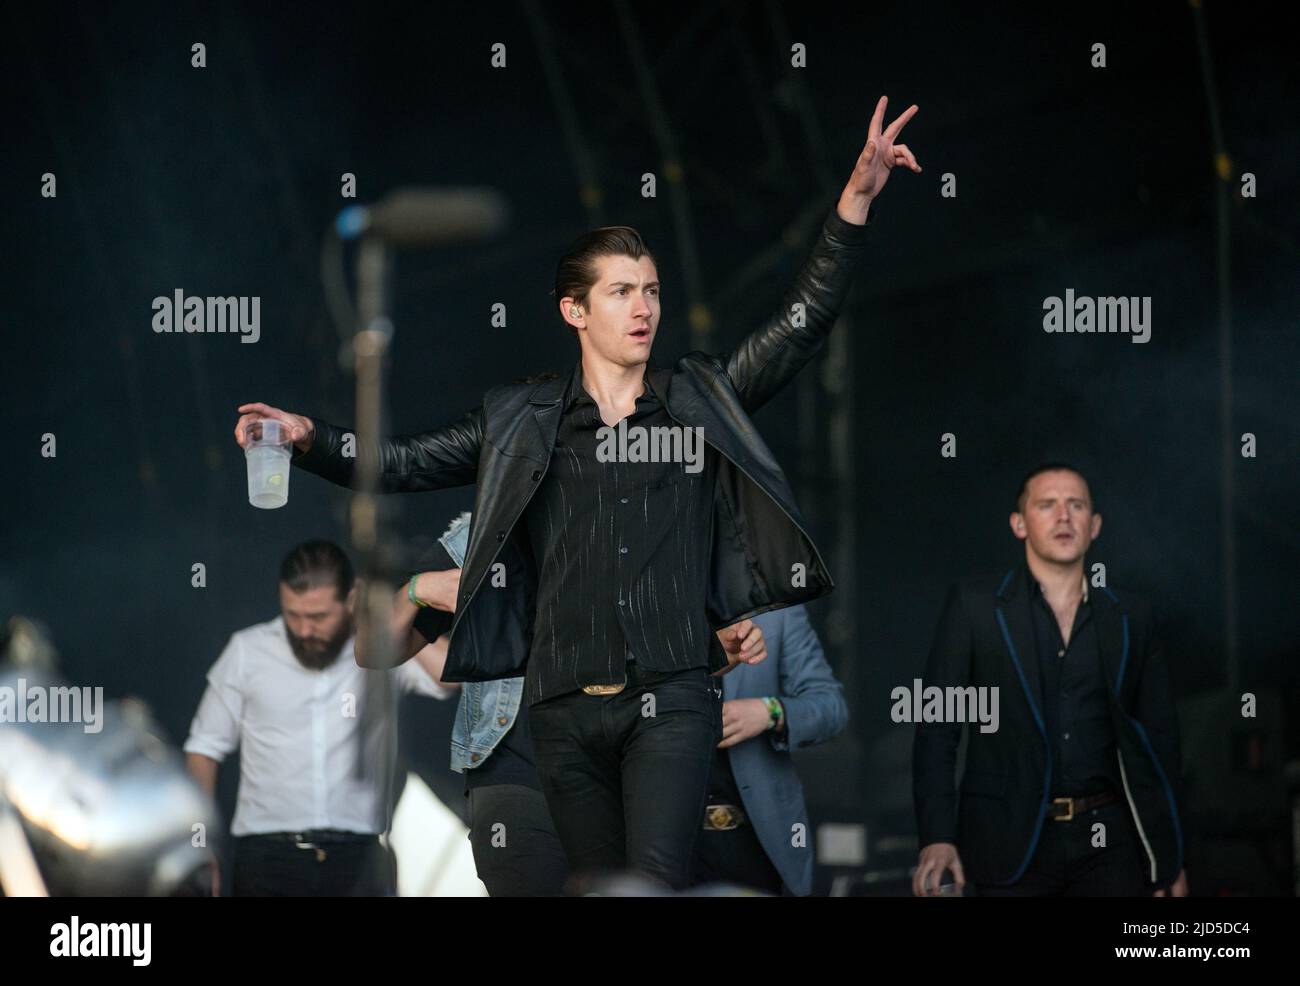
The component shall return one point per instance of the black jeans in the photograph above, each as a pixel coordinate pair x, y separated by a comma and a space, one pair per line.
268, 866
1066, 863
625, 775
516, 850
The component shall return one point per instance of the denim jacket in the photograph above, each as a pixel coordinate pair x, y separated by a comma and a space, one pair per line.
487, 709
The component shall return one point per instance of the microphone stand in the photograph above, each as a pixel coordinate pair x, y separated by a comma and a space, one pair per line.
373, 551
411, 217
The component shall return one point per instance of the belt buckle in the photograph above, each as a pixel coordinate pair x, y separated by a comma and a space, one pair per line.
1069, 805
604, 689
300, 843
720, 818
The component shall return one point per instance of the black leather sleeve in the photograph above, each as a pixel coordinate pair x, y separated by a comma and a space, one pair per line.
934, 755
428, 460
771, 355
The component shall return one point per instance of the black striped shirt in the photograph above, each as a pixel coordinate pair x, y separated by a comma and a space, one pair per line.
622, 552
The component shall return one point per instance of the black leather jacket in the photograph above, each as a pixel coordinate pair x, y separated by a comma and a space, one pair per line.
762, 556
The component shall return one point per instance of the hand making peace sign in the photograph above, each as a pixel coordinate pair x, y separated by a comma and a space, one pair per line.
880, 154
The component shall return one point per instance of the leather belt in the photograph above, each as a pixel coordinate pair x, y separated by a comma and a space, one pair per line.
1065, 809
312, 836
723, 818
315, 839
633, 675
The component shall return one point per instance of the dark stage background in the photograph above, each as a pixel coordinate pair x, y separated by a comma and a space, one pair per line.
221, 181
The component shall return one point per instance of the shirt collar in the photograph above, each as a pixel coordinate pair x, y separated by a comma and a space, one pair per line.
577, 393
1038, 586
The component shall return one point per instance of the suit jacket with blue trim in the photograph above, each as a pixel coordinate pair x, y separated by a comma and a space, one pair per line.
996, 815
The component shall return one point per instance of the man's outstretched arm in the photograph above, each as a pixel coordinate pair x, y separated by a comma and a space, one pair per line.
428, 460
770, 356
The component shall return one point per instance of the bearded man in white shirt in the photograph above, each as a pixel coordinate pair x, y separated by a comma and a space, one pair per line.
289, 694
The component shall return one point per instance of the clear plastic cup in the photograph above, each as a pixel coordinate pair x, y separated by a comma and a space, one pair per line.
267, 451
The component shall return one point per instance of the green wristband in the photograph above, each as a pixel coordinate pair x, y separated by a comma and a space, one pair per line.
410, 593
774, 710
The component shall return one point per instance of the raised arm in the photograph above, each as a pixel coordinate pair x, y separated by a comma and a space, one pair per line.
771, 355
428, 460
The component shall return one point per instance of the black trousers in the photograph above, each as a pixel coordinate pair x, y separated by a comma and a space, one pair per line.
625, 776
1067, 864
268, 866
516, 850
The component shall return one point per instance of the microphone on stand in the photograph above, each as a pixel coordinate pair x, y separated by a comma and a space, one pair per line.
405, 218
421, 217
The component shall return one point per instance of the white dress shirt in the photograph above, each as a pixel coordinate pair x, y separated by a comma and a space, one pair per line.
297, 731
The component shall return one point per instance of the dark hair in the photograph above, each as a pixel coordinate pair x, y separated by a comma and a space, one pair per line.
317, 563
1043, 467
576, 274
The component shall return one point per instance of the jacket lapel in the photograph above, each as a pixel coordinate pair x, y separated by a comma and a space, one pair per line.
547, 403
660, 377
688, 406
1015, 620
1112, 637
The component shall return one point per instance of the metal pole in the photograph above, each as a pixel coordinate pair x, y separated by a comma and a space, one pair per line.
374, 333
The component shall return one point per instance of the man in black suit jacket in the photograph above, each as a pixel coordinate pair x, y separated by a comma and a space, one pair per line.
1076, 788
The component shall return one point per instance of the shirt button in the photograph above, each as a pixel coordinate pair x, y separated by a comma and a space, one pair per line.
1067, 735
537, 474
622, 499
622, 603
502, 720
622, 551
1060, 653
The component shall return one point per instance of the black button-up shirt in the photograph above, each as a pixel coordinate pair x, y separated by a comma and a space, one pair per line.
622, 552
1076, 711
